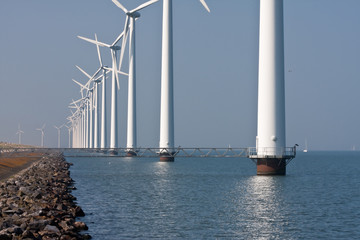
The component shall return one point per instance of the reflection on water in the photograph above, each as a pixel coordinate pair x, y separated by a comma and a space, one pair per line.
126, 198
265, 211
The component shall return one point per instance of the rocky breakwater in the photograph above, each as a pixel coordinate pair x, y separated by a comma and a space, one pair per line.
37, 203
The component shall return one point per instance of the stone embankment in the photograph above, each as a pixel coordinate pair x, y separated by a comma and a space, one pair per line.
37, 203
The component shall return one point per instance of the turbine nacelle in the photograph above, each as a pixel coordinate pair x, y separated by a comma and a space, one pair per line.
116, 48
133, 14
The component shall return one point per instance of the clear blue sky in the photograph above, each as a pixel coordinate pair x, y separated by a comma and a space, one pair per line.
216, 58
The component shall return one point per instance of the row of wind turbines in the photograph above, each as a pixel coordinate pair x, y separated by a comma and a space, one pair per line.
88, 119
42, 132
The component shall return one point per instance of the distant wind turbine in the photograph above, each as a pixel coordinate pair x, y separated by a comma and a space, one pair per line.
58, 131
115, 82
42, 134
86, 111
90, 105
69, 131
19, 132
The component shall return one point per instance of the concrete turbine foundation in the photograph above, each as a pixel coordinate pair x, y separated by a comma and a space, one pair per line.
131, 153
271, 166
166, 157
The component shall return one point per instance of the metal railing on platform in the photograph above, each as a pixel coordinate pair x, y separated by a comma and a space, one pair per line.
179, 152
272, 152
156, 152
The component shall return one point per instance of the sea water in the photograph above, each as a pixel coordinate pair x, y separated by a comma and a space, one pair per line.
219, 198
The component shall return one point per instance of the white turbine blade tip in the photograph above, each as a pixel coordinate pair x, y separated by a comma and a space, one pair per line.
85, 73
94, 41
205, 5
144, 5
120, 5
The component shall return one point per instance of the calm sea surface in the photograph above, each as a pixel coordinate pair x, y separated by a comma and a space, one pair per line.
126, 198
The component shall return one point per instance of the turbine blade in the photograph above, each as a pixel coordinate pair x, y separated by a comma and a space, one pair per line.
94, 75
82, 86
99, 77
115, 69
98, 51
94, 42
122, 51
87, 85
142, 6
120, 6
205, 5
85, 73
118, 39
122, 73
119, 72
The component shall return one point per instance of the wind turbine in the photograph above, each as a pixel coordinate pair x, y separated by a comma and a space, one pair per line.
115, 83
86, 101
167, 97
42, 134
70, 128
103, 128
19, 132
99, 131
90, 105
58, 130
77, 123
270, 139
131, 17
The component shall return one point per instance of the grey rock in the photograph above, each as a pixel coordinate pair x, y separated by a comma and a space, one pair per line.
39, 224
51, 229
37, 195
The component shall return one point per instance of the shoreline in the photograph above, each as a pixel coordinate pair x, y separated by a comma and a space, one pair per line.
36, 201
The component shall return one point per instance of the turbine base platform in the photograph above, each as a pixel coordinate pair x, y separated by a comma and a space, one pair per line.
113, 152
131, 154
271, 166
166, 157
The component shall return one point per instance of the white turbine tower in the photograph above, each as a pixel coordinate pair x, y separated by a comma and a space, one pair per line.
87, 114
80, 116
70, 129
90, 104
42, 134
19, 132
59, 134
114, 84
270, 140
76, 121
167, 98
94, 92
103, 128
131, 17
